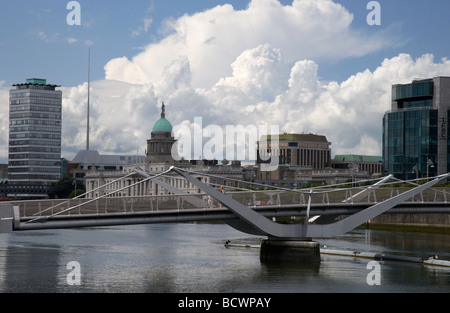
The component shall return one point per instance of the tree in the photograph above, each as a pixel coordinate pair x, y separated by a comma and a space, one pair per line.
66, 186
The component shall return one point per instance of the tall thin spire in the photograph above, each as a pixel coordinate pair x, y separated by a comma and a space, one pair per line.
88, 100
163, 110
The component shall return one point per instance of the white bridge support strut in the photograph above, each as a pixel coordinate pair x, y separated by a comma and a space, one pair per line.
281, 236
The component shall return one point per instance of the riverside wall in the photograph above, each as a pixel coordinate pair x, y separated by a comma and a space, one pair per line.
412, 220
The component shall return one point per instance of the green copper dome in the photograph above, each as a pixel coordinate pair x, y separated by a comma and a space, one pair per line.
162, 125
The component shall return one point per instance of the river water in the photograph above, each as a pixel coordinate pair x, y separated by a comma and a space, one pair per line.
188, 258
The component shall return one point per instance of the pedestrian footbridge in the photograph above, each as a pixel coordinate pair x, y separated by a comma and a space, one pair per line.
324, 211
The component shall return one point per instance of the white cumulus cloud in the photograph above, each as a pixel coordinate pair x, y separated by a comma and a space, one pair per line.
213, 39
257, 66
348, 113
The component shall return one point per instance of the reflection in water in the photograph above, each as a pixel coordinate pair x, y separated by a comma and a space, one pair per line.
30, 267
192, 258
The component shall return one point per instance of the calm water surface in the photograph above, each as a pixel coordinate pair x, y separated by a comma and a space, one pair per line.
192, 258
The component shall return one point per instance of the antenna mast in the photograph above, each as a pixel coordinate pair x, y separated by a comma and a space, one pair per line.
88, 104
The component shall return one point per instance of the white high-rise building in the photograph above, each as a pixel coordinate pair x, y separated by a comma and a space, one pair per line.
35, 113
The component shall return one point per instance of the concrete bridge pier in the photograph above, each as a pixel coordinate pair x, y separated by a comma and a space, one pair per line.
274, 250
6, 218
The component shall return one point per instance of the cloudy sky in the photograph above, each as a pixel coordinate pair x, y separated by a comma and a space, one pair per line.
308, 66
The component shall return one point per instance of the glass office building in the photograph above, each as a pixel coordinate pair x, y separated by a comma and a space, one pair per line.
415, 130
35, 111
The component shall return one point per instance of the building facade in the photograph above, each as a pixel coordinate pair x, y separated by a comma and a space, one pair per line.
306, 150
370, 164
85, 160
297, 154
35, 114
415, 130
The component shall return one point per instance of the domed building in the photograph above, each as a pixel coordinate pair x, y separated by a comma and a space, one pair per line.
117, 182
159, 147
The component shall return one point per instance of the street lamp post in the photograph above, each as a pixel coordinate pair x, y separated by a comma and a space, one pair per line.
416, 170
429, 164
74, 183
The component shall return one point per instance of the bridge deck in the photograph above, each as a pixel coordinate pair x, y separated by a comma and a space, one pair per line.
68, 213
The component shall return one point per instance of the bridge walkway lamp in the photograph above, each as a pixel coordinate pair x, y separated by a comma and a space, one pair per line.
429, 164
415, 170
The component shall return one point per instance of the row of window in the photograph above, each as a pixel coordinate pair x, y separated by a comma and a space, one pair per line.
36, 163
35, 129
35, 142
35, 108
176, 182
41, 156
34, 169
424, 132
416, 89
39, 87
415, 104
35, 122
35, 149
35, 177
35, 115
35, 136
303, 157
33, 94
15, 103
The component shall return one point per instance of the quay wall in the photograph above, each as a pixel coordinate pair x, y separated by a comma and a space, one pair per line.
412, 220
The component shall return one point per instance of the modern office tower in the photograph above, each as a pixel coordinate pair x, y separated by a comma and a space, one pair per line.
415, 130
35, 111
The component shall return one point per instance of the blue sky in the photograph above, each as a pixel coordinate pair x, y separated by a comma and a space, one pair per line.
305, 65
34, 34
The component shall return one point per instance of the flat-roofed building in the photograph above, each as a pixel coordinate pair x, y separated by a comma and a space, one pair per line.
306, 150
415, 130
372, 165
35, 114
297, 154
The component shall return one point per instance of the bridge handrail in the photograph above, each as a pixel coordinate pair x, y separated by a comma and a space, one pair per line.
272, 191
251, 199
93, 200
84, 194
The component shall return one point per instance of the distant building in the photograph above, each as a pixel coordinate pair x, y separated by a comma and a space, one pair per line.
297, 154
372, 165
86, 160
306, 150
415, 130
158, 159
34, 158
159, 147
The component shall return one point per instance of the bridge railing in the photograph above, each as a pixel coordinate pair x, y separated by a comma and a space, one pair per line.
254, 199
110, 205
335, 196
